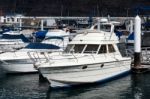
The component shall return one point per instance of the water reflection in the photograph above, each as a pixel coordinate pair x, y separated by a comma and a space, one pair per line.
141, 86
133, 86
111, 90
21, 87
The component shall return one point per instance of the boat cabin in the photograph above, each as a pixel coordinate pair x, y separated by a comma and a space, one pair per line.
90, 48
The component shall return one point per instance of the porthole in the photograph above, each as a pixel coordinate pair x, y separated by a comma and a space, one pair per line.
84, 67
102, 65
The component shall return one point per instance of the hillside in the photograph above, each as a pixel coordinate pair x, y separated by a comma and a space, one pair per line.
71, 7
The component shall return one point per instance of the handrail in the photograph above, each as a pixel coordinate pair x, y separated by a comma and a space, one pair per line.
4, 61
33, 59
75, 57
145, 54
129, 52
93, 55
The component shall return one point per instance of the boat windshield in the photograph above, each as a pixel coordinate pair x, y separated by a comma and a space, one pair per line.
103, 49
77, 48
68, 48
91, 48
104, 27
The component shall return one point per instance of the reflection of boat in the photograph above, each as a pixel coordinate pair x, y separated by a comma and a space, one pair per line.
92, 56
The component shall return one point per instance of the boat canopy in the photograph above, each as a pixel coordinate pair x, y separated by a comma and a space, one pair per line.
41, 46
18, 36
40, 34
118, 33
5, 30
131, 36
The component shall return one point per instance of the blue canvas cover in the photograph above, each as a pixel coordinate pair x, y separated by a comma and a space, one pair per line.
19, 36
40, 34
5, 30
118, 33
131, 36
41, 46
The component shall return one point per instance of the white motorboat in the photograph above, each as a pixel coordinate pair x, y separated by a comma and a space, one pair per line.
19, 61
92, 56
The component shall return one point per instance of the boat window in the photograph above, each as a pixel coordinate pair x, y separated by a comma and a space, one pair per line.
4, 20
12, 19
95, 27
79, 48
106, 28
8, 19
111, 48
91, 49
103, 49
68, 48
17, 20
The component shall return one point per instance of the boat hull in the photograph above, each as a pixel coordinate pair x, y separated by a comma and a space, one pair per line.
18, 66
84, 74
11, 47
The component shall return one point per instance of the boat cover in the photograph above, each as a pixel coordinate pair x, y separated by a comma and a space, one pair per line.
40, 34
131, 36
18, 36
41, 46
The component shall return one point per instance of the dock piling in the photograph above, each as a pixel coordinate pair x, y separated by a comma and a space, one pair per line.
137, 42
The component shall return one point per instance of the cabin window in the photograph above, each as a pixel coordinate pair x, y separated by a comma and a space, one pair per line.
4, 20
78, 48
106, 28
91, 49
17, 20
95, 27
8, 19
111, 48
12, 19
103, 49
68, 48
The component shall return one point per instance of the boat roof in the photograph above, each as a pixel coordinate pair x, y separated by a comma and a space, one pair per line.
95, 37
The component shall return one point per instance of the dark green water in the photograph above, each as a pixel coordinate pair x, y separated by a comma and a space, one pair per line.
28, 87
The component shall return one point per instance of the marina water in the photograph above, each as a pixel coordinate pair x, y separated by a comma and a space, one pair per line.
27, 86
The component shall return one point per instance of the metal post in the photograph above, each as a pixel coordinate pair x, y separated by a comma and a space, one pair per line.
137, 42
42, 25
20, 23
131, 26
98, 25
